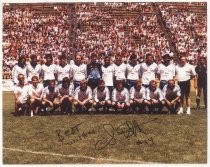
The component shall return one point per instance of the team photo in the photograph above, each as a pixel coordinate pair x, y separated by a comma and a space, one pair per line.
104, 82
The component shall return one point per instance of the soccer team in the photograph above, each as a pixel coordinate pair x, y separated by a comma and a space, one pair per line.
108, 87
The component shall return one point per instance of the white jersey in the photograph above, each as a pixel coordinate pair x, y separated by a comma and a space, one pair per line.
184, 73
69, 91
148, 72
166, 72
16, 71
101, 95
36, 91
157, 94
133, 73
135, 94
48, 71
22, 92
168, 93
82, 95
62, 72
107, 75
50, 95
122, 96
31, 71
78, 72
119, 71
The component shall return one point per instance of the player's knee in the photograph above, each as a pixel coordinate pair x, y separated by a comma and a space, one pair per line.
109, 102
32, 101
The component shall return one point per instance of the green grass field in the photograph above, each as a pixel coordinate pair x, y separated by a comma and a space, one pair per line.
106, 138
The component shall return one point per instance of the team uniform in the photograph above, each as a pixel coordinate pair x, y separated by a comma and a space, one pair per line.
101, 95
170, 95
62, 72
119, 72
94, 74
121, 97
166, 73
183, 75
69, 91
201, 71
16, 71
36, 91
48, 73
35, 94
155, 99
80, 95
52, 96
78, 73
137, 98
101, 98
107, 76
22, 96
66, 95
133, 73
148, 73
33, 71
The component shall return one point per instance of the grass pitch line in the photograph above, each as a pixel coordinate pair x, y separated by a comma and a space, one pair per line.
75, 156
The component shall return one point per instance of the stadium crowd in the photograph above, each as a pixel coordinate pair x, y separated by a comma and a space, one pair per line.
25, 33
108, 34
188, 31
108, 60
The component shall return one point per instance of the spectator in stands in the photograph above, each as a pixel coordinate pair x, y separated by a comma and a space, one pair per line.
172, 94
184, 73
35, 92
21, 96
201, 70
66, 90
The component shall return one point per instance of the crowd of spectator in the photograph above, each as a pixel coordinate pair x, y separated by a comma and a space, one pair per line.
99, 29
26, 33
188, 31
107, 34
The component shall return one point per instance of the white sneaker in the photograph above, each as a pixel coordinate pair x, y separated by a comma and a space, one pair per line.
180, 111
32, 113
188, 111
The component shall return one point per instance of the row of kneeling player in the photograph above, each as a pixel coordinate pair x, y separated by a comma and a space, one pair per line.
35, 99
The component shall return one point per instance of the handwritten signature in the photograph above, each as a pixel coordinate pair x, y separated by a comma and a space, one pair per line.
127, 129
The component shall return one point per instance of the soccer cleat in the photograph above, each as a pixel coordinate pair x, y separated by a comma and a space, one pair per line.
188, 111
32, 113
111, 110
180, 111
